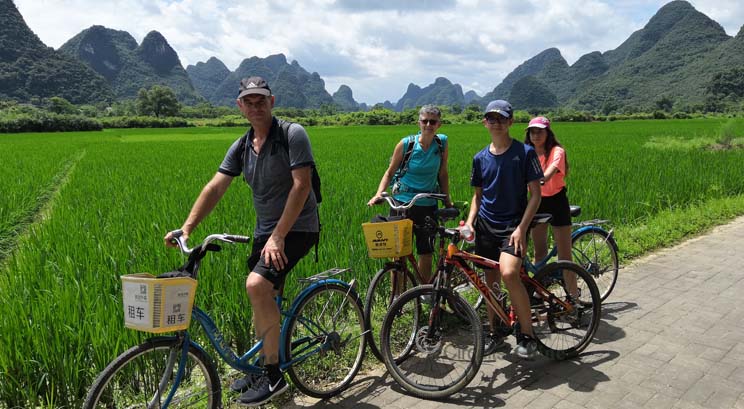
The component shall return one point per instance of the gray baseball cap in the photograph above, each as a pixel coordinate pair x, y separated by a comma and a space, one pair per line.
499, 106
253, 85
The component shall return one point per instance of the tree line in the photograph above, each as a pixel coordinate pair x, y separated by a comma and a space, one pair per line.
158, 107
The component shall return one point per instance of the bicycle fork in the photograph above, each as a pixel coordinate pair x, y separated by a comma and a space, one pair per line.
173, 356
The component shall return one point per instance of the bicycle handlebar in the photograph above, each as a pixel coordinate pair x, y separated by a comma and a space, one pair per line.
454, 234
405, 206
227, 238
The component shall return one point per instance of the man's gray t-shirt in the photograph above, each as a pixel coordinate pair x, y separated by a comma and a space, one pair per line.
269, 174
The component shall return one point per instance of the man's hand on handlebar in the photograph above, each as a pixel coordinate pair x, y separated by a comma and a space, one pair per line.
170, 238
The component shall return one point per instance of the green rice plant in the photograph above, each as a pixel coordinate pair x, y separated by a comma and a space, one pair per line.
731, 134
61, 312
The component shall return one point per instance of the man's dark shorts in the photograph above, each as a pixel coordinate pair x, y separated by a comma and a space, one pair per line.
296, 246
491, 240
424, 237
557, 205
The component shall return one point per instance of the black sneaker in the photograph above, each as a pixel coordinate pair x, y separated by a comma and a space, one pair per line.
263, 391
243, 384
493, 342
526, 347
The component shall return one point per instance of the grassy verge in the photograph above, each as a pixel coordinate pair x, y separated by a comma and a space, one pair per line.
670, 227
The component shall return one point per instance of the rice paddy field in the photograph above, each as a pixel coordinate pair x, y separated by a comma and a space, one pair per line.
78, 210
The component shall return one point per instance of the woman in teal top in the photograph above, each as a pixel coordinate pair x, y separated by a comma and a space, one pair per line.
425, 170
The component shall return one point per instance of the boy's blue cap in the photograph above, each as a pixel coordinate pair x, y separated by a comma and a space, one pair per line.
499, 106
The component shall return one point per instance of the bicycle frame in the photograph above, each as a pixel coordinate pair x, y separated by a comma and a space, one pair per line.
242, 363
410, 264
459, 258
407, 263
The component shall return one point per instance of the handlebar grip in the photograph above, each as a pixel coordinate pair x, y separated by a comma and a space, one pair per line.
176, 237
448, 213
380, 200
238, 239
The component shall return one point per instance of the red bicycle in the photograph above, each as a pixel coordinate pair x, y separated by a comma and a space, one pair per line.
433, 354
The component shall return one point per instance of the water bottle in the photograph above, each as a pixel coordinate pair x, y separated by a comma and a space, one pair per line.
466, 233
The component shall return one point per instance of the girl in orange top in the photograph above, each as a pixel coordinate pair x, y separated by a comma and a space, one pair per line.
554, 200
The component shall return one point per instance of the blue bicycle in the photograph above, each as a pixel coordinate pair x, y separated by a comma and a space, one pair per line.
593, 248
321, 348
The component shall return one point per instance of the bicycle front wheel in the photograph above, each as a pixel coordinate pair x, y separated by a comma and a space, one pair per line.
562, 333
387, 285
143, 377
325, 341
428, 351
596, 251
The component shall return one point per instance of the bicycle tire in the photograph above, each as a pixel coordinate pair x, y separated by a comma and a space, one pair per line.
379, 298
433, 367
131, 379
596, 251
562, 335
329, 320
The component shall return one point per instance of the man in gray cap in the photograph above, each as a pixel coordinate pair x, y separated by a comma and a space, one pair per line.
276, 160
503, 172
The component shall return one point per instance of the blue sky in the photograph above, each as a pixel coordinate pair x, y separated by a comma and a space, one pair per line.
377, 47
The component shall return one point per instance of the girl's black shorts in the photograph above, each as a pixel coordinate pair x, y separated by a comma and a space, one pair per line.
557, 205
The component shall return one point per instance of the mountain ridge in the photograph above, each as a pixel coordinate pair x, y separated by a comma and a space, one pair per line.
127, 66
292, 85
665, 58
29, 69
676, 55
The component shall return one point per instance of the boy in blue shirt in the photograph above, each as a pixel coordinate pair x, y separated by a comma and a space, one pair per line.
502, 174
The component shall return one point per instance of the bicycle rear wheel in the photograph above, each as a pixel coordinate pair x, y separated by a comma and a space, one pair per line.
142, 377
431, 361
387, 285
325, 340
563, 334
596, 251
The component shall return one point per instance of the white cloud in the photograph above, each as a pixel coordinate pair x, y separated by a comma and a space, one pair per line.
375, 47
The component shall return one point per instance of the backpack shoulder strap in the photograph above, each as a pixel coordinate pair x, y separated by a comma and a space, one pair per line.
407, 152
440, 144
284, 134
242, 146
284, 141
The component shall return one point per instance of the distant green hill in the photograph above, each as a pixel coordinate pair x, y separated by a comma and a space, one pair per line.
531, 67
207, 76
29, 69
344, 98
127, 66
656, 61
675, 56
680, 55
292, 84
441, 92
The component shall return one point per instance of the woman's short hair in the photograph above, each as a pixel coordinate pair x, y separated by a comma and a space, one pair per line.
430, 109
